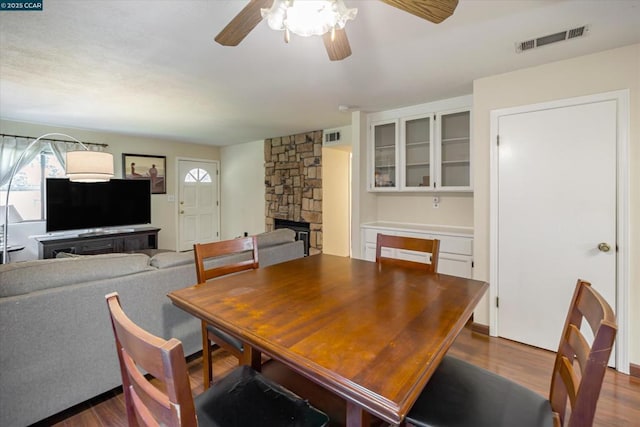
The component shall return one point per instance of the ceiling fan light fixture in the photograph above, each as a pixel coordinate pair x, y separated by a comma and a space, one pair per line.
308, 17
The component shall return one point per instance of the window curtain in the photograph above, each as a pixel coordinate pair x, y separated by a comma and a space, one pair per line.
11, 150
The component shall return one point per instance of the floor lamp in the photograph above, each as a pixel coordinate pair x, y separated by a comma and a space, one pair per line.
81, 166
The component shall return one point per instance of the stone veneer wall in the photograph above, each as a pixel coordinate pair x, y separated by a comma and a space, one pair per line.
293, 180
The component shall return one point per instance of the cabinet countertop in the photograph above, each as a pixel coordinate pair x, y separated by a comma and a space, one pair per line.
442, 229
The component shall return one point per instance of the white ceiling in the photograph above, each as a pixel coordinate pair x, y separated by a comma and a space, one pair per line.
152, 68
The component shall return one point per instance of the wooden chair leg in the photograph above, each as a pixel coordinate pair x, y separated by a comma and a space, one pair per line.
207, 375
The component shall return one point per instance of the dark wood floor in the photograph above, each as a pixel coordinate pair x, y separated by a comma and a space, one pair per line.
619, 403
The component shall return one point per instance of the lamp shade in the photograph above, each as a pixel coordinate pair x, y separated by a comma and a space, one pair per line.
89, 166
308, 17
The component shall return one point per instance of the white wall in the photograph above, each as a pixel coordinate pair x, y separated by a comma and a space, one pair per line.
242, 189
163, 212
363, 203
453, 208
601, 72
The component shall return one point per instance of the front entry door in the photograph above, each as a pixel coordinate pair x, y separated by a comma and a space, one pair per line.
556, 215
198, 205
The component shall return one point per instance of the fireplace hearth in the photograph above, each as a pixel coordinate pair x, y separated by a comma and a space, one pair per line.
302, 229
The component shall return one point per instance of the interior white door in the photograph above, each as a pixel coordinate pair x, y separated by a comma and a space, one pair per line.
198, 206
556, 205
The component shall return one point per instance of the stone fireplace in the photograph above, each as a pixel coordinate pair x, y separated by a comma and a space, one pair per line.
293, 181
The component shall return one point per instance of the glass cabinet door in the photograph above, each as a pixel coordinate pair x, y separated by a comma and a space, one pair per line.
417, 152
426, 151
455, 150
385, 155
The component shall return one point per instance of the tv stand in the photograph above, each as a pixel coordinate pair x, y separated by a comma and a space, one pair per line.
101, 242
105, 232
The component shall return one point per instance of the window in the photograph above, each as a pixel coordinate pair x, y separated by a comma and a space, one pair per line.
28, 187
197, 175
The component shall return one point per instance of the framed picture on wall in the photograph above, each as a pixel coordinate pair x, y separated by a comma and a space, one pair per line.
142, 166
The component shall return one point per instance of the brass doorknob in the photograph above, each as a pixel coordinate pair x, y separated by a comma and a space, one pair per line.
604, 247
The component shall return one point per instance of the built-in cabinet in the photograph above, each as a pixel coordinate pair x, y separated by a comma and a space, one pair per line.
428, 151
456, 245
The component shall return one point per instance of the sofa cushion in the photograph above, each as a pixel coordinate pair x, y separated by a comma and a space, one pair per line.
30, 276
275, 237
172, 259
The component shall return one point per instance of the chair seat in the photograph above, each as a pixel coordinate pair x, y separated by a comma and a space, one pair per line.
226, 337
225, 404
460, 394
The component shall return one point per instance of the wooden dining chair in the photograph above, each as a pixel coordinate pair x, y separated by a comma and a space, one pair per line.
429, 246
243, 398
461, 394
227, 262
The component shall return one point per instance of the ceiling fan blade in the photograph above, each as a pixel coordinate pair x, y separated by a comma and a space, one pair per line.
339, 48
435, 11
242, 24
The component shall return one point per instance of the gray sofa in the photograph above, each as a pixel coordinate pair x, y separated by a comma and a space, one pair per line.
56, 343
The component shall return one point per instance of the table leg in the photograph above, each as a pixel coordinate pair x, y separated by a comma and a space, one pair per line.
356, 416
252, 357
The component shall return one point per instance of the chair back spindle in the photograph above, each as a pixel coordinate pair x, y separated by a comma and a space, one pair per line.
430, 246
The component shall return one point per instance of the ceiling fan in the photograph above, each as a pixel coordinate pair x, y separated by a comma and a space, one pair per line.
335, 41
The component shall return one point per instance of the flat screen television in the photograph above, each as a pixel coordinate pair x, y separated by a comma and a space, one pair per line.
76, 205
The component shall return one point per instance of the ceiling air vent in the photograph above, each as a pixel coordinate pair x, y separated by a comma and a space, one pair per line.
552, 38
577, 32
331, 137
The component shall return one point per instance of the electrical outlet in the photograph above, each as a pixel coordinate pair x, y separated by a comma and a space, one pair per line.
436, 202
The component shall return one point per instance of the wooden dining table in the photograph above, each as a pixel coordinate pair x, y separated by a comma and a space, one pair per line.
372, 334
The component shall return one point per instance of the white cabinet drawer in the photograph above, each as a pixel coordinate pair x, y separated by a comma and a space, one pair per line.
455, 245
449, 244
412, 256
455, 265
